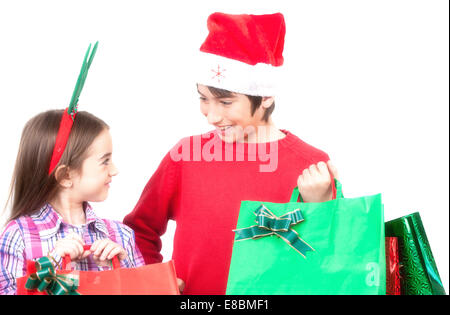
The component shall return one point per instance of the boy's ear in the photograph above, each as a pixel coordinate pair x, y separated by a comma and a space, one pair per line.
63, 176
267, 101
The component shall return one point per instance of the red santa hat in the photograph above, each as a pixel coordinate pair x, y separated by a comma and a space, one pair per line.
243, 53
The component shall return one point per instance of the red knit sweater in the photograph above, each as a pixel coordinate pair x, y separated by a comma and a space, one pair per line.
203, 197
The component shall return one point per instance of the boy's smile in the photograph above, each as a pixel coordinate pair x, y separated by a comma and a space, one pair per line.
232, 116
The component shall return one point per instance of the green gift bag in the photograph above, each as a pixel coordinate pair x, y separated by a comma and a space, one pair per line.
333, 247
419, 274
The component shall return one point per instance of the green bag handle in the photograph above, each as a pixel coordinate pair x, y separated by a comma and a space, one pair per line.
337, 189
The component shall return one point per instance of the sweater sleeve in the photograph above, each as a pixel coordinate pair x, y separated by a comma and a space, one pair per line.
153, 210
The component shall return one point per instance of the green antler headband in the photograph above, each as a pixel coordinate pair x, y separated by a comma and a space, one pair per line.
69, 114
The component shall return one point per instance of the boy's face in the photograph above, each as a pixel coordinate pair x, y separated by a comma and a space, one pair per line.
232, 116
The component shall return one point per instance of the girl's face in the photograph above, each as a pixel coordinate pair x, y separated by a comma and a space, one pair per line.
92, 182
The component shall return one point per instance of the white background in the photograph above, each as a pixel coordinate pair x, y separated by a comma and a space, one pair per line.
365, 81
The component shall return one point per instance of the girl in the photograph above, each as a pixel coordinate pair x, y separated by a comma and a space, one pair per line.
50, 213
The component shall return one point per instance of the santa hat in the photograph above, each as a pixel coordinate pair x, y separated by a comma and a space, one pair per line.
243, 53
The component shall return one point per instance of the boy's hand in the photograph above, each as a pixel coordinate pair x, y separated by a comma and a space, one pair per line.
314, 184
104, 250
180, 285
71, 245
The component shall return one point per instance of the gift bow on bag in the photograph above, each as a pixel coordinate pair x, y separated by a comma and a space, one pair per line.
270, 224
46, 279
157, 278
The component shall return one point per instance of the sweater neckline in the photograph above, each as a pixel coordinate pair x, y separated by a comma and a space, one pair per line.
246, 148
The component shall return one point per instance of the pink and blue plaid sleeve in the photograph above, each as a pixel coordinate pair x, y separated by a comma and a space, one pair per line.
125, 236
135, 258
12, 258
138, 258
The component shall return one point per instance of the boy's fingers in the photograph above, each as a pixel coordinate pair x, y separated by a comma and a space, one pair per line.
181, 285
314, 171
306, 176
305, 171
300, 181
323, 170
333, 170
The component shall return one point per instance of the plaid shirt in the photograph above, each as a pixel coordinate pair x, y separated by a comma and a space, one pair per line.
18, 242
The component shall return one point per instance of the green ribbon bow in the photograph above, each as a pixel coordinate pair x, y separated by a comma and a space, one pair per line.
46, 279
269, 224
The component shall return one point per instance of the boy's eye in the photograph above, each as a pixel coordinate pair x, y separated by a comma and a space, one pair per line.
106, 162
226, 102
202, 98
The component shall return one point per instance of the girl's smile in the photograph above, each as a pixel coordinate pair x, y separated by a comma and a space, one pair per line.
93, 182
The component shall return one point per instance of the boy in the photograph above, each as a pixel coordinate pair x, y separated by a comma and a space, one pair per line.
202, 180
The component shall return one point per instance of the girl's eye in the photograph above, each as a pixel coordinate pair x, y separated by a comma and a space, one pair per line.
226, 102
202, 98
106, 162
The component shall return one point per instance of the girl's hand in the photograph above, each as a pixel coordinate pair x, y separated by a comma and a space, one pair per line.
104, 250
71, 245
314, 184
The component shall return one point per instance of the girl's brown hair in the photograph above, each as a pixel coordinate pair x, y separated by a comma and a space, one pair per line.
31, 185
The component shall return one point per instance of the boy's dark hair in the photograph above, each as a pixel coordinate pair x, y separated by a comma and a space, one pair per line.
255, 101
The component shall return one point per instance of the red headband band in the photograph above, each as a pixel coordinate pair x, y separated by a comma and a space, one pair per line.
61, 139
69, 114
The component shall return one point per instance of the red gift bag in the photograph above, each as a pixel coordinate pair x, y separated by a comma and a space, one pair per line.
156, 279
392, 266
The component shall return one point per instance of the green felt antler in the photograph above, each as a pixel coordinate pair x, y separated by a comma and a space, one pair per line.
81, 79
